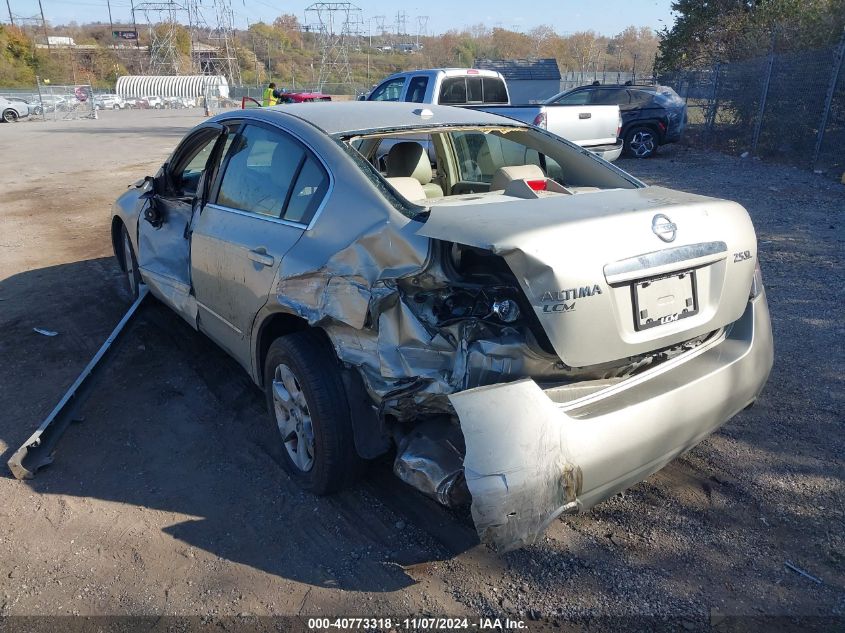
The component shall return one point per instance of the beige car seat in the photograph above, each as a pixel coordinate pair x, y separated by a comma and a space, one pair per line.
408, 188
408, 159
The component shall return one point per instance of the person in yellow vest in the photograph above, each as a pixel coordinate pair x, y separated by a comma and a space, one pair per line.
270, 95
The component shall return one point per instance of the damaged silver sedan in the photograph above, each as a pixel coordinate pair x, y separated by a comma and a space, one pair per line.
527, 328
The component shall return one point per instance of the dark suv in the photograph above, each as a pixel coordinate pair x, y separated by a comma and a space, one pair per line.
651, 115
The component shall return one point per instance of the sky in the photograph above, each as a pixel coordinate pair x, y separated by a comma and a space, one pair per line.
606, 17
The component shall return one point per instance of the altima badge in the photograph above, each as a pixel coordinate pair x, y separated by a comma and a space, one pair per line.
663, 227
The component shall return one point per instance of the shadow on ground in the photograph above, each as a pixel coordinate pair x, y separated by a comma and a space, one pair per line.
176, 425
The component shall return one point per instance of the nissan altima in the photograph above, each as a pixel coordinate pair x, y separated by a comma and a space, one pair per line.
520, 325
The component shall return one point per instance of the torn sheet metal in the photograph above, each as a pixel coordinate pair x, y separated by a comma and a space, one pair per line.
430, 458
518, 468
37, 451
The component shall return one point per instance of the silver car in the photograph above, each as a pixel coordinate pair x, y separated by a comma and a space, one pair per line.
524, 326
12, 110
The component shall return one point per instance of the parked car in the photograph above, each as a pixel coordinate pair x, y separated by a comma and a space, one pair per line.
445, 86
11, 111
48, 103
109, 102
530, 329
303, 97
137, 103
651, 115
594, 127
154, 102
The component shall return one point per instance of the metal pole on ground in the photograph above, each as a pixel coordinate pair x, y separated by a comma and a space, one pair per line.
828, 100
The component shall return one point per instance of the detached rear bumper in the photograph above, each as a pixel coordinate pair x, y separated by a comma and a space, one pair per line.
530, 458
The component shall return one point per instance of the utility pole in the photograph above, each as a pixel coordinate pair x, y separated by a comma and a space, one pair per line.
137, 41
111, 25
9, 7
44, 24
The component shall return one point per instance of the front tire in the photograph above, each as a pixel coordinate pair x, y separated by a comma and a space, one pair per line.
10, 116
641, 142
306, 399
130, 264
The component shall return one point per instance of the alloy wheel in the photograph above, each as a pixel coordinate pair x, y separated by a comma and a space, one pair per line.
293, 417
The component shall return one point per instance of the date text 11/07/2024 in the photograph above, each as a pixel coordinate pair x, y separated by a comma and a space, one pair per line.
417, 624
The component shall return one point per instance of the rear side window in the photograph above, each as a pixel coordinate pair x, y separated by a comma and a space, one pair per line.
308, 191
608, 96
416, 89
271, 174
641, 98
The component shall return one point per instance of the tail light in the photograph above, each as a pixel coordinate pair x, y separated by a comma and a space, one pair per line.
537, 185
619, 127
540, 120
756, 282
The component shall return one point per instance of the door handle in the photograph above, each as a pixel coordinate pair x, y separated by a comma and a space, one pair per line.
260, 256
585, 115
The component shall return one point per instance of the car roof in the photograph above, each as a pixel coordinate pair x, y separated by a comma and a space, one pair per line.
648, 87
339, 117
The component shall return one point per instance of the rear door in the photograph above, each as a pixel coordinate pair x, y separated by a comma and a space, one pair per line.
271, 187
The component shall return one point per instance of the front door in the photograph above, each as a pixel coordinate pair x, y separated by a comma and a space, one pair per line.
270, 189
164, 243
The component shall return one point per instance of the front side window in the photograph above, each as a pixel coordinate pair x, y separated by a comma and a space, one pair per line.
574, 98
271, 174
388, 91
191, 165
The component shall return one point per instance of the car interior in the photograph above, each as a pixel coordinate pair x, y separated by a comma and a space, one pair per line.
447, 164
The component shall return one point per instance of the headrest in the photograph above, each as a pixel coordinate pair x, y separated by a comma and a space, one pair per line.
408, 159
408, 188
506, 175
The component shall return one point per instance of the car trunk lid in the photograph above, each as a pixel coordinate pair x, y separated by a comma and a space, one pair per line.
616, 273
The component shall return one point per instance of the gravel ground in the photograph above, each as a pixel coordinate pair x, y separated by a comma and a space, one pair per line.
168, 498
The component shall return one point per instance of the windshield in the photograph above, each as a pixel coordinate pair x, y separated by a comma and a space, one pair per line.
435, 165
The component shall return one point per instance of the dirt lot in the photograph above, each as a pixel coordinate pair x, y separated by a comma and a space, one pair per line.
168, 497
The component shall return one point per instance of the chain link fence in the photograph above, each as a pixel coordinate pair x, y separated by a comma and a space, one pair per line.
573, 79
788, 107
55, 103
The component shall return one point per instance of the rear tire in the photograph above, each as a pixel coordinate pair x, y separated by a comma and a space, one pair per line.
640, 142
10, 116
130, 264
306, 400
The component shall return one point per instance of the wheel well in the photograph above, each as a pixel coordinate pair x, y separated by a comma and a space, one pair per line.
651, 125
271, 328
116, 236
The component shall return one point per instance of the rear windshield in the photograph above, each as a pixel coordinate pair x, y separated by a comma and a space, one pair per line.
463, 90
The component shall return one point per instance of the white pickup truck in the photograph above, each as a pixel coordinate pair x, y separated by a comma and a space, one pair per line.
593, 127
